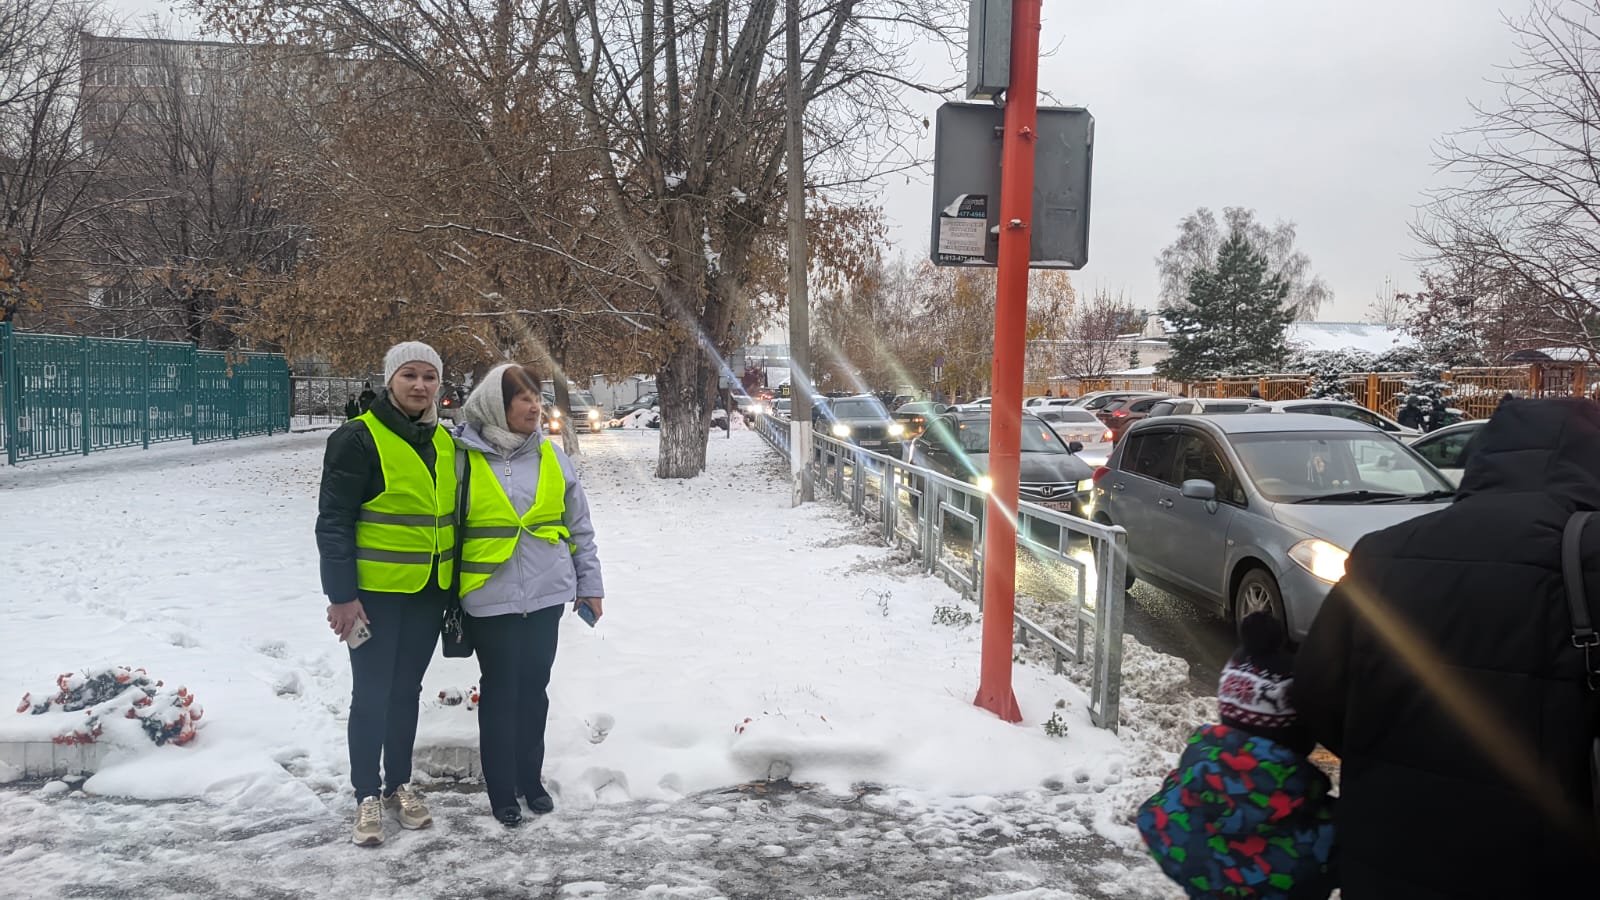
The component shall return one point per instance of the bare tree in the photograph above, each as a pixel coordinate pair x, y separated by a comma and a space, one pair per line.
47, 173
1389, 306
208, 220
1200, 237
1091, 347
1525, 205
684, 102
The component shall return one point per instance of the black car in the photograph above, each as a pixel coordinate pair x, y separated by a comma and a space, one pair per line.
862, 421
648, 401
957, 445
915, 415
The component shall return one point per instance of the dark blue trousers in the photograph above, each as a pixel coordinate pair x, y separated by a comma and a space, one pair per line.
386, 675
515, 653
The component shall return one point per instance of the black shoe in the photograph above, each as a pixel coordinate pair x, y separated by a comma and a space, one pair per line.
509, 816
541, 804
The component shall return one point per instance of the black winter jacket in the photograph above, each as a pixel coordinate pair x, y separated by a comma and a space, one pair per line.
351, 476
1441, 669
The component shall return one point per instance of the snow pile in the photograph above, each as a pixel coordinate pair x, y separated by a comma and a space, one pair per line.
640, 418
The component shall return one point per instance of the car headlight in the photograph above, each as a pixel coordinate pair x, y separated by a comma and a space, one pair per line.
555, 413
1086, 485
984, 483
1322, 559
594, 415
896, 429
555, 425
841, 430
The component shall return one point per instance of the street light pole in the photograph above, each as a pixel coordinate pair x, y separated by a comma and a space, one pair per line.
1010, 344
799, 311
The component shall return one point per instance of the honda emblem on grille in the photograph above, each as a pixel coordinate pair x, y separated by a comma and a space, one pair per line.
1047, 490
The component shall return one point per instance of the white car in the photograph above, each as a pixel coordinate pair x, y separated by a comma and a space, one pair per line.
1447, 448
1072, 423
1352, 411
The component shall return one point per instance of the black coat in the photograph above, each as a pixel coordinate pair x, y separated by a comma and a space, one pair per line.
351, 476
1443, 662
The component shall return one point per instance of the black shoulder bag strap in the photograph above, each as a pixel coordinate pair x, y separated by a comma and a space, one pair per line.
1583, 633
453, 627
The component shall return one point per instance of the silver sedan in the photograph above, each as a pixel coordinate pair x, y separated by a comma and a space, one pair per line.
1246, 513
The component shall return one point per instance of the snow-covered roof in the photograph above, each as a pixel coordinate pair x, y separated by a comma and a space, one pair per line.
1142, 371
1327, 336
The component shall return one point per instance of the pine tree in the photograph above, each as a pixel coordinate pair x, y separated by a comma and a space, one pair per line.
1234, 319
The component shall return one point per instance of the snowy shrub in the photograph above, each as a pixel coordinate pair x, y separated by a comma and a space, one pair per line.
954, 616
167, 715
1424, 403
1055, 726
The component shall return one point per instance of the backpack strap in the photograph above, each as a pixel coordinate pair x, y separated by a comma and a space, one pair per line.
1583, 633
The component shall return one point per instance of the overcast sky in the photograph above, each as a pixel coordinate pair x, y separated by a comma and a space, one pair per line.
1320, 112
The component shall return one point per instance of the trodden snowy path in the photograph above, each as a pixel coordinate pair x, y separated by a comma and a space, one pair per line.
742, 640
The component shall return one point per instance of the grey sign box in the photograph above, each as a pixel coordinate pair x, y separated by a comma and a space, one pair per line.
988, 48
966, 160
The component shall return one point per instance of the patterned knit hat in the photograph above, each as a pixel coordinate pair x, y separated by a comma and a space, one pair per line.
1254, 693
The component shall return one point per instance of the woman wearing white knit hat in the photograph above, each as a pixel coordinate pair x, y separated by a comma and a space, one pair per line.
386, 537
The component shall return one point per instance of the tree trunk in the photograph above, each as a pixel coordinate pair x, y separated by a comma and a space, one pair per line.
685, 417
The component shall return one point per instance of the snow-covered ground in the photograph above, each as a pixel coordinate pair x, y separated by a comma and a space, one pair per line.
742, 640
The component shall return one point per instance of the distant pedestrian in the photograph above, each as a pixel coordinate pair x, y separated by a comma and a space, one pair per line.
367, 396
1255, 393
386, 537
1048, 393
1443, 669
1245, 813
352, 408
529, 549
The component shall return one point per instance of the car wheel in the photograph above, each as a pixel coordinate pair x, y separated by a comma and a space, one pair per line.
1258, 592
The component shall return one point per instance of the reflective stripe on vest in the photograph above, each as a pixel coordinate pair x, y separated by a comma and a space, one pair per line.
493, 528
400, 531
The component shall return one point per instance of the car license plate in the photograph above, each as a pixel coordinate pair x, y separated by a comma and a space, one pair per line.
872, 443
1059, 505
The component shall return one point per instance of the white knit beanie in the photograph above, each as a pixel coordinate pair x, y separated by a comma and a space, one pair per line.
409, 352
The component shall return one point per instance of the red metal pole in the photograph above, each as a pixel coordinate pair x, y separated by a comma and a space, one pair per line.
1010, 325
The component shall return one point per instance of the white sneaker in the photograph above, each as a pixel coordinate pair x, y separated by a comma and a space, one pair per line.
369, 823
406, 801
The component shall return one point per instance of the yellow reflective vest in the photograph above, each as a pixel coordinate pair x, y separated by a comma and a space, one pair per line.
493, 527
400, 531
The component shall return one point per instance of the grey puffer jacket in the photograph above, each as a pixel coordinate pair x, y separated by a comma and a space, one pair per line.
538, 575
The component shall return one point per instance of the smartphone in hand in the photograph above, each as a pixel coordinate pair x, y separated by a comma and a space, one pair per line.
586, 613
358, 635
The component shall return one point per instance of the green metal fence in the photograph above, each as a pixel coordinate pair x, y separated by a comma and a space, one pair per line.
65, 396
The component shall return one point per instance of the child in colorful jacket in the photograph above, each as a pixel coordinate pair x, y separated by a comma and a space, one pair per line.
1246, 814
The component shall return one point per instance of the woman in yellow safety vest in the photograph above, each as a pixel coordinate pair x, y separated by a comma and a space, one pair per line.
527, 550
386, 536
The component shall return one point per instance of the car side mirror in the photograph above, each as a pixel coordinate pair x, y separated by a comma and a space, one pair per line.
1199, 489
1075, 447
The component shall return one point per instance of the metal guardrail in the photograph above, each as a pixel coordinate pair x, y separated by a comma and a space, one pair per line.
874, 485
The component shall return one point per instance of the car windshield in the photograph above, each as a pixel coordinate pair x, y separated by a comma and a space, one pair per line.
858, 409
921, 407
1036, 437
1306, 467
583, 398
